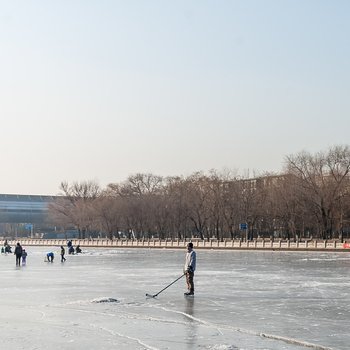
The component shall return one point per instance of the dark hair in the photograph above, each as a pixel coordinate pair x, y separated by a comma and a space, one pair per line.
190, 245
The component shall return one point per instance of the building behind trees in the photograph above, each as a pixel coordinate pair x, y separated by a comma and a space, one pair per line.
24, 215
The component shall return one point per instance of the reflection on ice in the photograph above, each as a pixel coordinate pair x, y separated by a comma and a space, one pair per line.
244, 300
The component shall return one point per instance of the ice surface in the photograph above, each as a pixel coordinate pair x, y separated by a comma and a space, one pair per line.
244, 300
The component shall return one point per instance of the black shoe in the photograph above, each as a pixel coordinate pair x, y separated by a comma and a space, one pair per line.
189, 293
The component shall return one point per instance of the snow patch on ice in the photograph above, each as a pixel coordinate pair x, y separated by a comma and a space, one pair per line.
89, 301
105, 300
222, 347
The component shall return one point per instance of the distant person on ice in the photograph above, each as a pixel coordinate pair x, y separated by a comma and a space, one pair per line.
50, 256
70, 247
63, 259
78, 249
24, 257
190, 267
18, 253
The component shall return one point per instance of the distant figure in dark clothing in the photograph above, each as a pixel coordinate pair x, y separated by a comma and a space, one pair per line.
7, 247
24, 257
50, 256
71, 250
18, 252
63, 259
78, 249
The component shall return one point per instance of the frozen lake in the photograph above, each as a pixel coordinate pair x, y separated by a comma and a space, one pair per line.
244, 300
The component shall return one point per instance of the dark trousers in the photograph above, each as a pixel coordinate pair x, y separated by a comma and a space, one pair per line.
63, 258
189, 281
18, 259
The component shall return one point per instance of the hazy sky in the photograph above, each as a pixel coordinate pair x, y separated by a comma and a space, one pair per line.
99, 90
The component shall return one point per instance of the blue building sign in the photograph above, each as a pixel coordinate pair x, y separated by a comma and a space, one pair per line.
28, 226
243, 226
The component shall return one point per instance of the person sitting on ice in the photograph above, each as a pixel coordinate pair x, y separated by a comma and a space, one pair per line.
78, 249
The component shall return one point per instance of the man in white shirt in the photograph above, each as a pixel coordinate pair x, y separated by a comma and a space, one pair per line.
190, 267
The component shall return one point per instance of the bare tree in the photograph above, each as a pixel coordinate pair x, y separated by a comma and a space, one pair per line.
311, 196
140, 193
178, 207
59, 213
76, 205
197, 198
322, 180
109, 213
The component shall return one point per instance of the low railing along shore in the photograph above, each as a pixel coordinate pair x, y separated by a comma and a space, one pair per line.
259, 244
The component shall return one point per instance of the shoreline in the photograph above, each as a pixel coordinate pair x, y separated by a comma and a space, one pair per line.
263, 245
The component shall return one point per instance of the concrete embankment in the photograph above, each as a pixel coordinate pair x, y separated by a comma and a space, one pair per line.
279, 245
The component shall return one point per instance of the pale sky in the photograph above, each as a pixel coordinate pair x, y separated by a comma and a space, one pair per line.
99, 90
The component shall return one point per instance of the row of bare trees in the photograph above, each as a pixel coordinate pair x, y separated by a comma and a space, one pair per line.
310, 198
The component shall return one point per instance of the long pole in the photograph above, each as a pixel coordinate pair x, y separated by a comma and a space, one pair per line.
153, 296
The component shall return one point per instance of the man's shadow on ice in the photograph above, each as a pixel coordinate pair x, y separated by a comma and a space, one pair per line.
192, 325
189, 306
